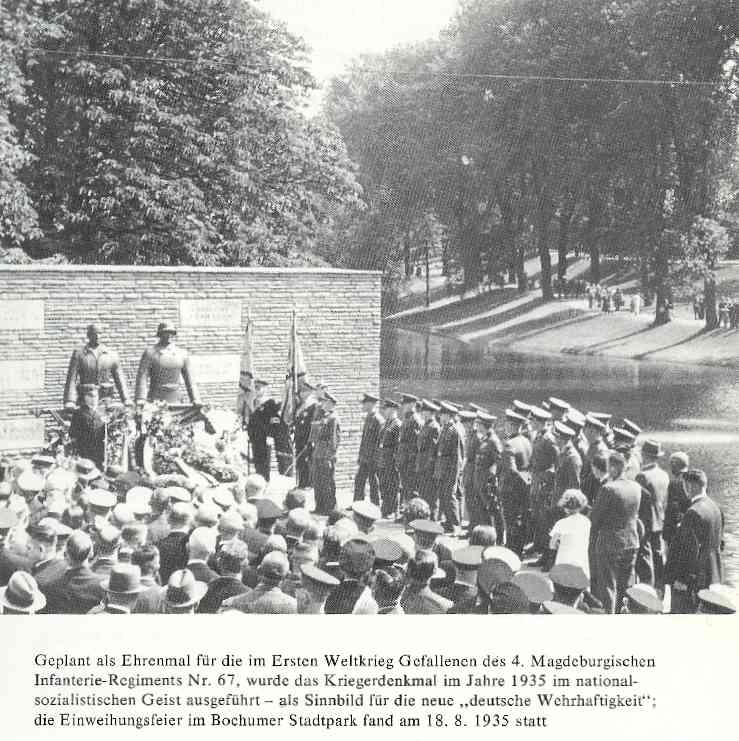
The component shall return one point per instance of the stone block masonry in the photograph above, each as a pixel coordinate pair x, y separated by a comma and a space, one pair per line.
44, 311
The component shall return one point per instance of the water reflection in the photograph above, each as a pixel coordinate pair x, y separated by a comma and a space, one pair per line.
690, 408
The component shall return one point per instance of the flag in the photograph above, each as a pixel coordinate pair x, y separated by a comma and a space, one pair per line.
247, 391
295, 375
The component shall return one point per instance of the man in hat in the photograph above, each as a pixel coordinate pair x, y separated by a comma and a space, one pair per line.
183, 593
570, 583
654, 482
87, 428
47, 566
569, 462
304, 415
516, 440
537, 587
267, 598
151, 600
624, 442
388, 458
463, 591
231, 559
173, 547
316, 587
471, 442
428, 441
107, 545
94, 364
694, 561
122, 589
21, 596
79, 589
677, 496
715, 601
353, 595
642, 599
419, 598
327, 441
449, 458
558, 408
593, 433
515, 501
614, 534
365, 515
369, 450
161, 367
482, 495
544, 456
389, 583
408, 446
201, 545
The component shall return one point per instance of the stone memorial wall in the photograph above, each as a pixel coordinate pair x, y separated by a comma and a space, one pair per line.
44, 311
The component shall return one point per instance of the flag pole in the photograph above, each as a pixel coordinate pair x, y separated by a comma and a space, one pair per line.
248, 436
294, 382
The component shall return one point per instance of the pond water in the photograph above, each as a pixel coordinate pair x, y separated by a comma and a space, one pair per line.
689, 408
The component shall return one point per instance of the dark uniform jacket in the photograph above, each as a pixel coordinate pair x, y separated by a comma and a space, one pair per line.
613, 522
265, 599
87, 430
160, 370
389, 442
76, 593
419, 599
303, 421
654, 483
220, 589
521, 446
265, 422
328, 438
428, 441
370, 442
11, 560
449, 454
408, 445
95, 365
515, 494
677, 505
201, 571
544, 453
695, 555
344, 598
486, 460
173, 554
569, 467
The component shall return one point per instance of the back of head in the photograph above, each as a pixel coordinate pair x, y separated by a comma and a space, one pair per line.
202, 543
389, 585
274, 567
232, 556
255, 485
146, 557
249, 514
79, 547
422, 567
484, 535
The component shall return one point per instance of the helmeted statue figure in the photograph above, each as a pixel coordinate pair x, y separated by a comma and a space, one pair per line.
161, 368
94, 363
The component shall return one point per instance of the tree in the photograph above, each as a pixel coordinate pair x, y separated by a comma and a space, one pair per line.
171, 131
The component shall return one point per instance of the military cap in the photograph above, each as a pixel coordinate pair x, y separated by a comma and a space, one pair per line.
123, 514
436, 401
59, 479
357, 557
521, 407
330, 397
167, 327
623, 435
8, 518
508, 599
43, 461
298, 520
370, 398
22, 594
84, 467
366, 509
680, 460
652, 448
429, 406
101, 499
632, 427
427, 527
714, 601
30, 482
558, 404
569, 576
267, 509
387, 552
230, 521
492, 572
406, 544
486, 419
604, 417
514, 416
61, 530
546, 405
541, 414
314, 575
183, 590
695, 476
223, 497
390, 404
536, 586
468, 558
181, 511
5, 489
592, 421
558, 608
467, 415
446, 408
503, 554
108, 534
477, 408
563, 430
125, 578
409, 398
43, 531
645, 599
575, 419
177, 494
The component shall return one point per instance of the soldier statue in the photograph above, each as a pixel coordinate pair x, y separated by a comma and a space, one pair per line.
161, 368
95, 364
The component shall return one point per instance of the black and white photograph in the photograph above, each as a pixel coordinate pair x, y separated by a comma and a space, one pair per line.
369, 308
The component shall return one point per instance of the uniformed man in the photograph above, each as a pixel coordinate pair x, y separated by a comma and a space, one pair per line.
369, 446
388, 458
525, 411
448, 467
624, 442
482, 497
328, 439
634, 462
471, 441
161, 368
94, 363
265, 423
515, 493
428, 441
543, 466
569, 462
558, 408
87, 429
408, 446
516, 440
463, 592
593, 433
303, 421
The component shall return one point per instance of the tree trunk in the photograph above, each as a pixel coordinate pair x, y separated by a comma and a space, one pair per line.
546, 265
408, 267
709, 294
521, 278
662, 291
594, 263
565, 220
